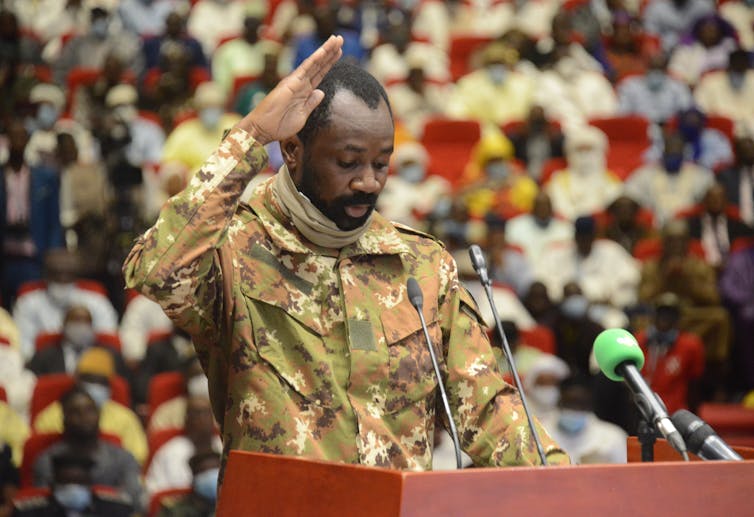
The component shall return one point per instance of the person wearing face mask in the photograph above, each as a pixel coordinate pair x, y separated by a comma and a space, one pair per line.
169, 467
495, 93
72, 493
410, 194
606, 272
536, 141
586, 438
654, 95
201, 501
29, 219
94, 374
730, 92
675, 360
536, 231
191, 142
586, 186
738, 179
49, 101
493, 183
90, 49
575, 330
540, 383
670, 185
41, 307
113, 466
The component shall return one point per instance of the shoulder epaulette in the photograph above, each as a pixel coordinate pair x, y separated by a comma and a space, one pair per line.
402, 228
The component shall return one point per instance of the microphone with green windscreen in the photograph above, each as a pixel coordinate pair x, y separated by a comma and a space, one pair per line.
614, 347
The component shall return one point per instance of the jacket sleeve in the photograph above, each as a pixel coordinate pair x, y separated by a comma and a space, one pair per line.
176, 262
491, 422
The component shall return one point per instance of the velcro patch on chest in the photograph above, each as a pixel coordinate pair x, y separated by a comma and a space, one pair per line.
361, 335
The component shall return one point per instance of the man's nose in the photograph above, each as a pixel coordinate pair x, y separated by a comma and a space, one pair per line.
367, 181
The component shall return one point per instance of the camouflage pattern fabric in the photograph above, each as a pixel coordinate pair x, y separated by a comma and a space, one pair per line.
318, 352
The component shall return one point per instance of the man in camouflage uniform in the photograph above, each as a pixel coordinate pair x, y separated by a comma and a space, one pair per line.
300, 315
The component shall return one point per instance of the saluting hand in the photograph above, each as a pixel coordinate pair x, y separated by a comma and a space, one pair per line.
283, 112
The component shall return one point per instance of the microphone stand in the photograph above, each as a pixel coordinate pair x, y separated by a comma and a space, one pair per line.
477, 259
647, 437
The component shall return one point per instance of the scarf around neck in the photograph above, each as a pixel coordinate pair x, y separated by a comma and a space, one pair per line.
308, 219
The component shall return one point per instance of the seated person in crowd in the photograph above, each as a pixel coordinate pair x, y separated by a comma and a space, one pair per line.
536, 231
73, 492
141, 318
674, 360
539, 304
729, 92
417, 99
13, 433
737, 291
586, 438
43, 309
670, 185
9, 479
586, 186
169, 467
624, 224
711, 40
540, 384
535, 141
174, 35
606, 272
654, 94
575, 329
113, 466
93, 375
77, 337
17, 381
507, 264
716, 227
494, 183
200, 502
695, 283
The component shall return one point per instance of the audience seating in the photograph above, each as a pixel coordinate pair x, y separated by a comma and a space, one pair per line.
157, 439
651, 248
163, 497
628, 138
449, 144
163, 387
732, 422
462, 49
48, 339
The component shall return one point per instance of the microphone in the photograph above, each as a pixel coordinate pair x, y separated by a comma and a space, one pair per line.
701, 438
416, 298
620, 359
480, 266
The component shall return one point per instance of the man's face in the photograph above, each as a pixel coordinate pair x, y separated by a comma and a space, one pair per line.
81, 417
344, 167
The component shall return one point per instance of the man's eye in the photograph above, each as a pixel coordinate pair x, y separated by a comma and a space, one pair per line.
347, 165
381, 166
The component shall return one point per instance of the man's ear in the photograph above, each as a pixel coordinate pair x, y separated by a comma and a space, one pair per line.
292, 150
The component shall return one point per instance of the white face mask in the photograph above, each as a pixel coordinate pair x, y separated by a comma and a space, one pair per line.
545, 396
591, 161
79, 335
60, 293
198, 386
73, 496
210, 117
412, 173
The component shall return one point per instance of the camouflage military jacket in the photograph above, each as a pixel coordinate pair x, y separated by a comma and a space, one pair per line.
318, 352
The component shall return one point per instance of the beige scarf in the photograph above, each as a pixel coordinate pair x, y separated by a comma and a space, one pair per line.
307, 218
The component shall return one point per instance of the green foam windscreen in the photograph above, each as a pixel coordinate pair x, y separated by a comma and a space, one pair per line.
614, 347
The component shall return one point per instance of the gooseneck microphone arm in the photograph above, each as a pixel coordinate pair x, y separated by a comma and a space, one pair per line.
480, 266
416, 298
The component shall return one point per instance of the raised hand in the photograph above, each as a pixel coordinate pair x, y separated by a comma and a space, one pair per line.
283, 112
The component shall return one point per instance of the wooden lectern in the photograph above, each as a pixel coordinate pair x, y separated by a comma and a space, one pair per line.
271, 485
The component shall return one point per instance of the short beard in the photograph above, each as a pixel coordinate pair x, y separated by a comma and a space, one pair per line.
335, 209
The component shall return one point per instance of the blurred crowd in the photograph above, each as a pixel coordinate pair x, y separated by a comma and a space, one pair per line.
601, 152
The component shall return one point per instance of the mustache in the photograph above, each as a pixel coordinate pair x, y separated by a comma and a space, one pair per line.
358, 199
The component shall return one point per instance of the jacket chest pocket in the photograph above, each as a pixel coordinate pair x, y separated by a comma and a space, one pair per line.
295, 352
411, 376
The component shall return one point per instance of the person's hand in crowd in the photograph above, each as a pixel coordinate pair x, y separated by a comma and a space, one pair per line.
283, 112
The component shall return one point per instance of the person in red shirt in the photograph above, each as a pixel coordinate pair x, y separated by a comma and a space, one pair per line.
674, 360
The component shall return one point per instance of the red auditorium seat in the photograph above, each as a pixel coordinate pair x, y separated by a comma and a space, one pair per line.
163, 387
629, 139
157, 439
539, 337
449, 144
48, 339
462, 48
50, 388
651, 248
732, 422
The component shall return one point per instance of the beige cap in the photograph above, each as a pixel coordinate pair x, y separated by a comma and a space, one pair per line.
47, 93
208, 95
585, 136
121, 94
410, 152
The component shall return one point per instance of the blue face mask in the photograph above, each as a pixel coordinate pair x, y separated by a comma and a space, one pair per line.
210, 117
496, 170
412, 173
99, 28
205, 484
571, 421
736, 80
73, 496
654, 79
47, 115
575, 306
672, 162
98, 392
